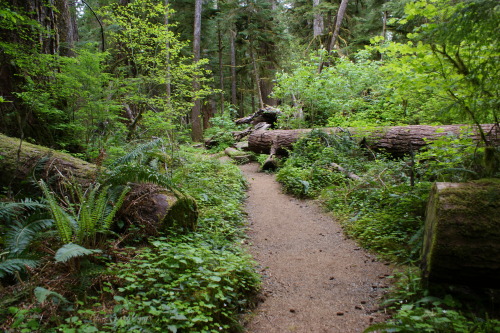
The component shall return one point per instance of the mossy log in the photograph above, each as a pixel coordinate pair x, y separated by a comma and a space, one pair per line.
239, 156
462, 234
155, 209
149, 205
397, 140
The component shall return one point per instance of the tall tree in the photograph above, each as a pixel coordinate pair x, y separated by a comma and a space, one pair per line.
318, 23
338, 24
196, 125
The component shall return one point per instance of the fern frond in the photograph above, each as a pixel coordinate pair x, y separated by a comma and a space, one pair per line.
22, 232
62, 220
11, 210
108, 219
99, 211
70, 250
139, 174
42, 294
139, 151
12, 265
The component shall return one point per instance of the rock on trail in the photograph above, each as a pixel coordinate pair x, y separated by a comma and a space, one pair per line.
315, 280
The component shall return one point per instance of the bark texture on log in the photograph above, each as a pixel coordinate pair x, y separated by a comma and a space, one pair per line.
148, 205
155, 209
267, 115
462, 234
397, 140
19, 161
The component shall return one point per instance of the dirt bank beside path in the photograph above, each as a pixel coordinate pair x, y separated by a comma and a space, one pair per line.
315, 280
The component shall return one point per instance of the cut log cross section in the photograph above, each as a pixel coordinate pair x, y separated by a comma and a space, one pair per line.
462, 234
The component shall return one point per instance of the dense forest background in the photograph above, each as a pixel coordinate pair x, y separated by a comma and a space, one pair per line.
88, 76
127, 86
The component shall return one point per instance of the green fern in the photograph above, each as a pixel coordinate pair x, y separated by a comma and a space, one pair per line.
23, 231
43, 294
139, 151
11, 210
110, 215
13, 265
63, 221
71, 250
94, 212
139, 174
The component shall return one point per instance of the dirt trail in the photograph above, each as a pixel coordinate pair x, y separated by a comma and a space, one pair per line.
315, 280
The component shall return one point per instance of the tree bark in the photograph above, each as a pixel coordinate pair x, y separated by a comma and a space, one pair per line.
318, 25
462, 234
234, 99
397, 140
149, 206
336, 31
256, 74
338, 23
221, 68
196, 128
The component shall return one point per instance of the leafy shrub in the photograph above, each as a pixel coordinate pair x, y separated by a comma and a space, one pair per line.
414, 310
451, 158
219, 189
185, 284
221, 130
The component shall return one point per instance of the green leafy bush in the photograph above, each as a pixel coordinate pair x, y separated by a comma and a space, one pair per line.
414, 310
221, 130
185, 284
219, 190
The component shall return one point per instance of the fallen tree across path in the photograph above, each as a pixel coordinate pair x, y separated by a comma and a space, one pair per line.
397, 140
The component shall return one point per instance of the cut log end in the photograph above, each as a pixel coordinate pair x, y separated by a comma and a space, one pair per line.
155, 209
270, 164
462, 234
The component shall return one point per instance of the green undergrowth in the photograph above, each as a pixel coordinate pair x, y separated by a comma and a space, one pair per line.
384, 211
199, 281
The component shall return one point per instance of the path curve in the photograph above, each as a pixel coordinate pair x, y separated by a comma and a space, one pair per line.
315, 280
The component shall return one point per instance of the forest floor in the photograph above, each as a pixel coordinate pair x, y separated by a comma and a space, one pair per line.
315, 280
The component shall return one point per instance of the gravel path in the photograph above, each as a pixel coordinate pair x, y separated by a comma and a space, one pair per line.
315, 280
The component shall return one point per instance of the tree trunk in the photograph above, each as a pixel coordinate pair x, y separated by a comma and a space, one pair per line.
336, 31
318, 25
234, 92
256, 74
338, 23
149, 206
196, 128
168, 83
462, 234
397, 140
221, 68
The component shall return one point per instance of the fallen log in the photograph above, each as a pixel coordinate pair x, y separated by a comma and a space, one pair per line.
149, 206
267, 115
239, 156
397, 140
271, 163
347, 173
239, 135
462, 234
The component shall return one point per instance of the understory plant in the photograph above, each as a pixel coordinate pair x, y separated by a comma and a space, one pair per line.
184, 284
24, 222
81, 222
195, 282
414, 309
